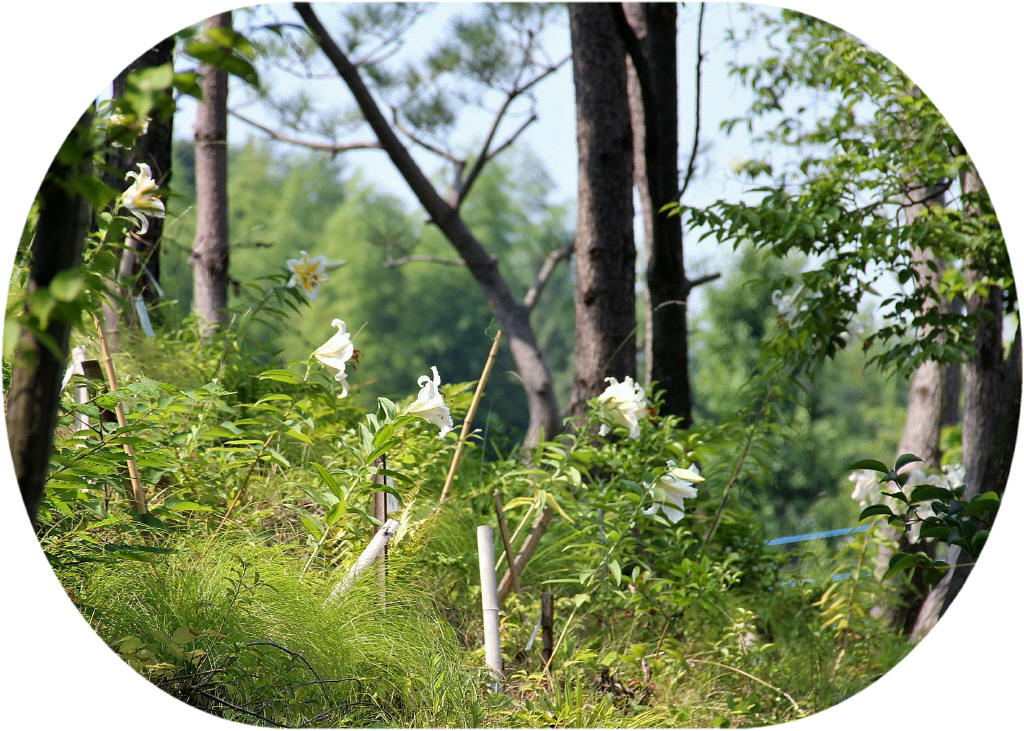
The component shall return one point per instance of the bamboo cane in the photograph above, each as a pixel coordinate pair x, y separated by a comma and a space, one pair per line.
367, 557
503, 529
468, 421
138, 497
489, 603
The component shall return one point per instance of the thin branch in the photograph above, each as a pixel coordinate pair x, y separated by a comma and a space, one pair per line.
239, 709
692, 164
392, 263
485, 154
425, 144
546, 270
692, 283
744, 673
332, 148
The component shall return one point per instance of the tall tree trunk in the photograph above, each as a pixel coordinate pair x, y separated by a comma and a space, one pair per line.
927, 405
605, 253
512, 316
35, 381
992, 397
153, 148
656, 172
210, 250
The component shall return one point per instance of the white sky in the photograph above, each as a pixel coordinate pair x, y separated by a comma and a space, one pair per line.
58, 56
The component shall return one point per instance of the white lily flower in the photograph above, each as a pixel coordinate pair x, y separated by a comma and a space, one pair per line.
139, 198
678, 485
308, 273
335, 353
866, 490
624, 403
429, 404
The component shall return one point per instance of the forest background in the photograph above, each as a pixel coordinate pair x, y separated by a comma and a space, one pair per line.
962, 61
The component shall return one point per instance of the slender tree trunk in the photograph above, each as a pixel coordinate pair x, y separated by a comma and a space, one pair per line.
35, 381
605, 254
153, 148
665, 341
992, 396
210, 249
927, 404
513, 316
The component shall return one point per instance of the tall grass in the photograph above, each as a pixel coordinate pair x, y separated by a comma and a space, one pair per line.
239, 635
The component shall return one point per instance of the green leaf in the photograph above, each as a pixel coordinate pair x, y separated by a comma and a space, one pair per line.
330, 480
902, 561
869, 464
905, 459
615, 570
279, 374
183, 635
67, 284
930, 492
871, 510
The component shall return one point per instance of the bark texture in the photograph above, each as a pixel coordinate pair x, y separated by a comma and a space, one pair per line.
209, 258
35, 381
605, 253
991, 410
654, 103
513, 316
153, 148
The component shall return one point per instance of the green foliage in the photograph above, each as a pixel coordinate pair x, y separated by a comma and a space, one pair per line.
842, 202
932, 513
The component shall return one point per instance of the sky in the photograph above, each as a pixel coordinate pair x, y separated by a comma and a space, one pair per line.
966, 57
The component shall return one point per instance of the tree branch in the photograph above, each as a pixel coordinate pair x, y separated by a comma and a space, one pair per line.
392, 263
329, 147
692, 164
691, 283
485, 154
546, 270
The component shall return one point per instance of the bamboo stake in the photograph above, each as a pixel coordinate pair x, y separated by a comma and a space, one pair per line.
503, 528
489, 603
380, 512
367, 557
138, 497
468, 421
540, 524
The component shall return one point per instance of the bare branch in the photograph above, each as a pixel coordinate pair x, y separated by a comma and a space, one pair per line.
329, 147
392, 263
486, 154
425, 144
692, 164
546, 270
691, 283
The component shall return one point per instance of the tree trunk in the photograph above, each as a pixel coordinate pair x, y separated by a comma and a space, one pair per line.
992, 396
513, 317
605, 254
927, 406
665, 342
210, 250
34, 390
153, 148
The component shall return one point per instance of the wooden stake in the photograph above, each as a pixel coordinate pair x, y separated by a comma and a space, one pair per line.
489, 603
468, 421
547, 623
503, 529
540, 524
138, 496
